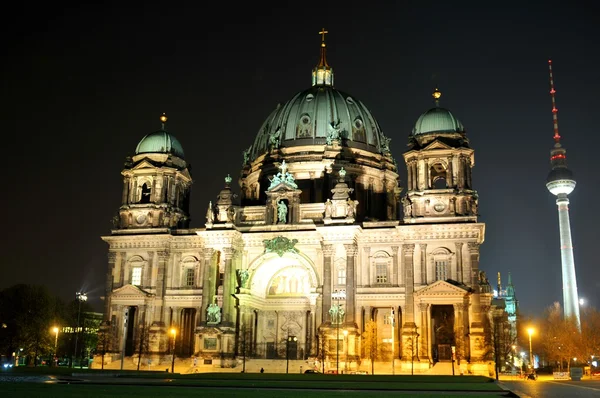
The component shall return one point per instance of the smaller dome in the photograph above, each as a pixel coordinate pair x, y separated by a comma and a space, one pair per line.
160, 142
437, 120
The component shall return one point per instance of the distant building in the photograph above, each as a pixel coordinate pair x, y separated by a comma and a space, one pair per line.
317, 241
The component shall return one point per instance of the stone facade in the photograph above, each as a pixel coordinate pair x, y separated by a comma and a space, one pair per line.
318, 243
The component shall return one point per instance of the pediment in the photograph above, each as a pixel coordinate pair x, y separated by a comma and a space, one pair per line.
130, 292
437, 145
442, 288
144, 164
282, 187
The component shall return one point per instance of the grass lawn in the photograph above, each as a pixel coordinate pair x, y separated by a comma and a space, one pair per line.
249, 385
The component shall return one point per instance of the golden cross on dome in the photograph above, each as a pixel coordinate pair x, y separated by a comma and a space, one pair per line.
323, 32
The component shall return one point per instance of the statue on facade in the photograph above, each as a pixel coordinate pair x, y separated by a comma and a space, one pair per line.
407, 206
384, 142
246, 155
230, 214
336, 314
243, 275
210, 213
328, 208
274, 138
351, 207
333, 132
213, 313
282, 212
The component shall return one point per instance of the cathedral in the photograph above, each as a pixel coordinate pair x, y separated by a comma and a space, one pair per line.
316, 253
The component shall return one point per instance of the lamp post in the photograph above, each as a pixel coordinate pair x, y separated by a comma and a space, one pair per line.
346, 343
55, 330
174, 333
530, 331
81, 297
287, 352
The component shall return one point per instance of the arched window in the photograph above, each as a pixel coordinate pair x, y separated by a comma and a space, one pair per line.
441, 264
438, 176
136, 270
188, 271
382, 268
145, 198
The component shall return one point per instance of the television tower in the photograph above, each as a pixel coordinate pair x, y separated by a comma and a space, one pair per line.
560, 183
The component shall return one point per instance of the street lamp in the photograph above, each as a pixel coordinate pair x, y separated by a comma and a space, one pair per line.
287, 351
55, 330
530, 331
346, 343
80, 296
174, 333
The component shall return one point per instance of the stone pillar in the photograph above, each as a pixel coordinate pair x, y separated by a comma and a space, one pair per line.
125, 190
394, 265
327, 254
449, 182
408, 253
108, 287
208, 286
476, 297
459, 330
424, 331
367, 269
423, 247
351, 251
459, 262
161, 283
409, 176
228, 288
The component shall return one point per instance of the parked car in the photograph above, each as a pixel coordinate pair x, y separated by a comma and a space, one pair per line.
311, 371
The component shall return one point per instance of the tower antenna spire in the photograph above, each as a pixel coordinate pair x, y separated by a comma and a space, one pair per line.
554, 108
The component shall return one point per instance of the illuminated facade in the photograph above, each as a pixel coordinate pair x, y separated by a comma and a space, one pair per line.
318, 241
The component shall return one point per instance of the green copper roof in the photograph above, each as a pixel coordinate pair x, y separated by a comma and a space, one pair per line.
160, 142
437, 120
314, 114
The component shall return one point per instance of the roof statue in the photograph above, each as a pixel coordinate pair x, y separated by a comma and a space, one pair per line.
283, 177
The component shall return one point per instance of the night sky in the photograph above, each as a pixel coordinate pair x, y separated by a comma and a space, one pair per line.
82, 85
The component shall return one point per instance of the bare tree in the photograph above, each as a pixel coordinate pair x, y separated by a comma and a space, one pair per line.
369, 342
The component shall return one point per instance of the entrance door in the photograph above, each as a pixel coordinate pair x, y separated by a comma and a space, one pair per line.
271, 351
444, 352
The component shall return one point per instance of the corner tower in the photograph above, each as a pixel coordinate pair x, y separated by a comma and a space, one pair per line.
560, 183
156, 184
439, 163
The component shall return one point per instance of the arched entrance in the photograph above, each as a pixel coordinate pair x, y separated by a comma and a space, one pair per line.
442, 338
280, 306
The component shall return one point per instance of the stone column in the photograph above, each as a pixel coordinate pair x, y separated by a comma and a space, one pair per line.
351, 251
459, 262
476, 297
408, 253
459, 329
367, 269
125, 190
208, 286
423, 247
424, 331
449, 182
327, 254
228, 288
394, 265
161, 283
108, 287
409, 176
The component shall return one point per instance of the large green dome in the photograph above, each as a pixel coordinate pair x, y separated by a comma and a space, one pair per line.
160, 142
311, 116
437, 120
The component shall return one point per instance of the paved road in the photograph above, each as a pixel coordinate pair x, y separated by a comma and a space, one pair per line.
553, 388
